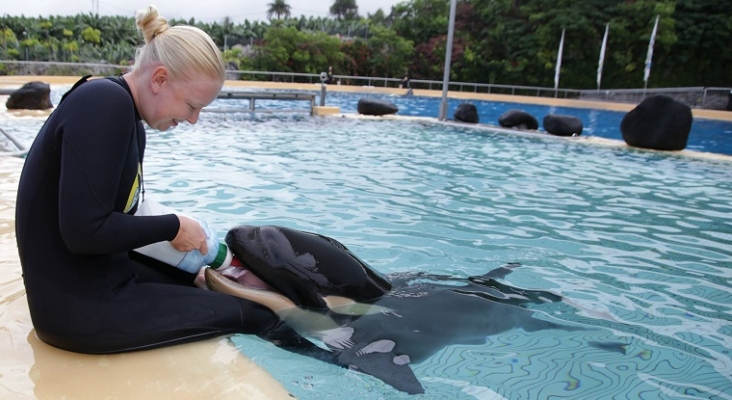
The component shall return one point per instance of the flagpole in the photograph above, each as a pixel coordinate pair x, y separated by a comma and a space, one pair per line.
649, 56
602, 57
559, 64
442, 115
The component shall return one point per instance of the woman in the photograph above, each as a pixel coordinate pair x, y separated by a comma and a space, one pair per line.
78, 193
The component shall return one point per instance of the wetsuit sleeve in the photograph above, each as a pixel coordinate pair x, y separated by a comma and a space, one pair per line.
98, 141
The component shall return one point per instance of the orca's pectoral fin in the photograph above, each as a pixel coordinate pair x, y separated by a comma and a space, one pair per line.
516, 296
501, 272
347, 306
616, 347
377, 360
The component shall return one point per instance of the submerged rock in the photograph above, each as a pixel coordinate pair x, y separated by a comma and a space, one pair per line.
31, 96
562, 125
377, 107
518, 119
467, 112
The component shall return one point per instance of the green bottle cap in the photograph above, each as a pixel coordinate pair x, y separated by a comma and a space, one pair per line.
223, 257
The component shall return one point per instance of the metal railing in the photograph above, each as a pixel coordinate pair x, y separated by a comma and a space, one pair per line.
370, 81
253, 96
22, 149
711, 98
12, 67
714, 98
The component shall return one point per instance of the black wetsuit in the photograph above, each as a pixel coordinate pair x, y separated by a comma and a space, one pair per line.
75, 228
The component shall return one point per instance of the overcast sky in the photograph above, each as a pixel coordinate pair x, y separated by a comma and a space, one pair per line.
201, 10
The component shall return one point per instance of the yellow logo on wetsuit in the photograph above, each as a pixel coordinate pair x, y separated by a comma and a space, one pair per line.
135, 191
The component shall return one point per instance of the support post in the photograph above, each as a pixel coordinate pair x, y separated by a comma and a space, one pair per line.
448, 57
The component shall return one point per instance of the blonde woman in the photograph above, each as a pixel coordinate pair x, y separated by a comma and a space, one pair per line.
79, 189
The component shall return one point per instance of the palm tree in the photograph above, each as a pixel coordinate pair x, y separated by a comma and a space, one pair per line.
344, 9
278, 8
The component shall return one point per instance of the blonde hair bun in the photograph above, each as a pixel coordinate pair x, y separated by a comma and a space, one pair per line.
186, 51
150, 23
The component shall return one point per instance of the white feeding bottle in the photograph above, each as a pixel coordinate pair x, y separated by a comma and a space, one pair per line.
218, 256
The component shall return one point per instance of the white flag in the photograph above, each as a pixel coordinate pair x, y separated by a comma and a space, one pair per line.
559, 62
649, 57
602, 57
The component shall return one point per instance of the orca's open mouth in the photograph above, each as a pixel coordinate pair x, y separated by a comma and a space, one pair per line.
242, 275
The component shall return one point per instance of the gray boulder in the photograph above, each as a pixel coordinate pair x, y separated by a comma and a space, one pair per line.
658, 122
31, 96
518, 119
562, 125
376, 107
467, 112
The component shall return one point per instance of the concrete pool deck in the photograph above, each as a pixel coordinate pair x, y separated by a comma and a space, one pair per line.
31, 369
214, 368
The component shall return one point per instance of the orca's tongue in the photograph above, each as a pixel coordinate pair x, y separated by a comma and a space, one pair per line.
243, 276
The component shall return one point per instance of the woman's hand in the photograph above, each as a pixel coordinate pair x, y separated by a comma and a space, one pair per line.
190, 236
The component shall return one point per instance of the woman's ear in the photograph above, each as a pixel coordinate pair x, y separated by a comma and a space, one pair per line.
158, 78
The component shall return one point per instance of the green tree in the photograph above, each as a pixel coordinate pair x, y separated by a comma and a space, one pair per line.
10, 44
421, 20
390, 54
71, 48
91, 35
510, 42
288, 49
344, 9
379, 18
701, 55
278, 8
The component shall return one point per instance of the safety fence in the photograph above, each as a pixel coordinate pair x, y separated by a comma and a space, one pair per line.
18, 148
714, 98
711, 98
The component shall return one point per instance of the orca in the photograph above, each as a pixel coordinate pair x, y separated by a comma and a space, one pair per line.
353, 316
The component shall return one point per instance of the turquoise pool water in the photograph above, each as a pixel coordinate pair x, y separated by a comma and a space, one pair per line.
639, 243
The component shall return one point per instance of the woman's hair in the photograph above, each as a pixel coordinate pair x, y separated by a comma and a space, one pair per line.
185, 51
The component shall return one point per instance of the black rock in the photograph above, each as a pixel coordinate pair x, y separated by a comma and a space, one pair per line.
658, 122
562, 125
519, 119
376, 107
467, 112
31, 96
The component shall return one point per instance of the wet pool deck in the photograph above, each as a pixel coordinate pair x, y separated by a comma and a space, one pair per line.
31, 369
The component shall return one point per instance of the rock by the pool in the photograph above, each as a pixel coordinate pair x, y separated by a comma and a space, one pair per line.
658, 122
31, 96
519, 119
376, 107
467, 112
562, 125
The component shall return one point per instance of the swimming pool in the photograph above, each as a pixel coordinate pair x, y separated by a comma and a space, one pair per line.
640, 242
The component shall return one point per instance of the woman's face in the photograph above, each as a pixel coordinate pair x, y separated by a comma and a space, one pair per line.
175, 101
